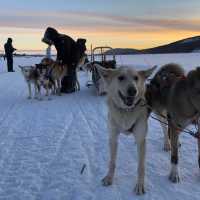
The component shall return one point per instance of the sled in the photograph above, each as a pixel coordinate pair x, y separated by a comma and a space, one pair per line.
100, 56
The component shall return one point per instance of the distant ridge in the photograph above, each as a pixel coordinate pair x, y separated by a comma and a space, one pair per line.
123, 51
187, 45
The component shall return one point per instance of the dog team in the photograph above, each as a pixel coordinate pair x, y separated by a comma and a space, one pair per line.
172, 95
48, 74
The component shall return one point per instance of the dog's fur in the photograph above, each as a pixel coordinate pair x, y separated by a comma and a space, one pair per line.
158, 91
125, 95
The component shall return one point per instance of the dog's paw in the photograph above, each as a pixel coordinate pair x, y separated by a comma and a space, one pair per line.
106, 181
167, 146
174, 176
139, 189
29, 97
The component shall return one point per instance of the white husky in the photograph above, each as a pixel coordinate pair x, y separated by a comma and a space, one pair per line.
126, 114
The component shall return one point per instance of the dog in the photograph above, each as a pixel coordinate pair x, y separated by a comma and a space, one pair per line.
126, 114
44, 79
183, 109
158, 91
35, 75
56, 72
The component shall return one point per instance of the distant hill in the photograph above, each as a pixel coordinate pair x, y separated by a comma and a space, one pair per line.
182, 46
187, 45
121, 51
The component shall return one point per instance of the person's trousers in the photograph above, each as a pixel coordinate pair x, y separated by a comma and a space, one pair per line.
10, 64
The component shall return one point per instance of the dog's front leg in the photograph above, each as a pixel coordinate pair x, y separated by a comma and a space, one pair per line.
113, 144
39, 92
47, 93
36, 91
53, 91
29, 91
198, 141
140, 134
58, 87
78, 85
163, 123
174, 175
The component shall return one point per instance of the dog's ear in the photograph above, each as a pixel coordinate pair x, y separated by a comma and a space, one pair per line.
148, 72
107, 74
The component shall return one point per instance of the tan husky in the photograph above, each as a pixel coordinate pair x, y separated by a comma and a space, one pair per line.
126, 114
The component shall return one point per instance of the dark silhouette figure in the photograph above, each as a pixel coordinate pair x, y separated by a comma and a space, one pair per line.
68, 52
9, 49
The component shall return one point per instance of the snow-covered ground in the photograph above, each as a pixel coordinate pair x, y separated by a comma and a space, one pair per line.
44, 145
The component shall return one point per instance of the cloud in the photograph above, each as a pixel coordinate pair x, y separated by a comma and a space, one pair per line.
93, 21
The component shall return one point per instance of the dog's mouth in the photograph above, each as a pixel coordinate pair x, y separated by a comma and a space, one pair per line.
127, 100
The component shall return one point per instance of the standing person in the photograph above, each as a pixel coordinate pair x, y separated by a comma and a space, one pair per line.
69, 52
48, 52
9, 49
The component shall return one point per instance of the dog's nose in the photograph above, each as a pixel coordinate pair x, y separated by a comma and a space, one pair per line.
131, 91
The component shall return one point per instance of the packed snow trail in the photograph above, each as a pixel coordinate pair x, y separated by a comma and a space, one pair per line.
44, 145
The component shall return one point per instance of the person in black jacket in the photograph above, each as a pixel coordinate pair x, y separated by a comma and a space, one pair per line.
68, 52
9, 49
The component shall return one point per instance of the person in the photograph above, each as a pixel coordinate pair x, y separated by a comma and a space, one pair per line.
48, 52
69, 52
9, 50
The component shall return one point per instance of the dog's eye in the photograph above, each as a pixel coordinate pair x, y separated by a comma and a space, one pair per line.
121, 78
135, 78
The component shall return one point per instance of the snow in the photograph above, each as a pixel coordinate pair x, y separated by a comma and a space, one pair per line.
44, 144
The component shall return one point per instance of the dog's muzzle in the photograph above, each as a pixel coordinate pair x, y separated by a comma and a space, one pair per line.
127, 100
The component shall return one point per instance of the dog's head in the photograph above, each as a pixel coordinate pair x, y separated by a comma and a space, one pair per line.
26, 70
167, 75
41, 69
47, 61
125, 86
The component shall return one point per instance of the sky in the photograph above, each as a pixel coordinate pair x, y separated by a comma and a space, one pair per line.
118, 23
